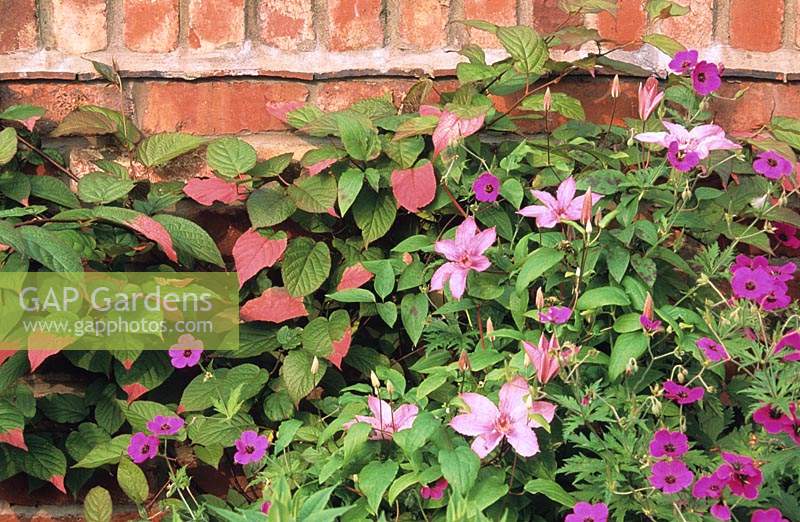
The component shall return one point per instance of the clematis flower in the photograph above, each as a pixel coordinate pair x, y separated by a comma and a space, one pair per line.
486, 187
545, 357
682, 394
490, 424
709, 486
142, 447
649, 324
186, 352
544, 409
649, 97
768, 515
791, 343
667, 443
772, 419
434, 492
683, 61
161, 425
670, 476
555, 315
250, 447
584, 511
742, 475
772, 165
786, 235
699, 142
721, 511
384, 421
712, 349
464, 253
706, 78
565, 206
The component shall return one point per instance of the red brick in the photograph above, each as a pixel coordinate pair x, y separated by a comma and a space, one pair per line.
627, 26
18, 29
79, 26
756, 24
59, 98
697, 34
500, 12
151, 26
212, 107
423, 24
338, 95
757, 106
355, 24
547, 17
215, 23
287, 24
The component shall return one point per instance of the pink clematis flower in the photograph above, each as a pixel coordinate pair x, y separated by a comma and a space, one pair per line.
564, 207
384, 421
464, 253
649, 97
555, 315
693, 145
545, 357
490, 424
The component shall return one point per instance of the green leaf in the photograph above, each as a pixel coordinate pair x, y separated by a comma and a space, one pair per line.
604, 296
50, 250
374, 214
305, 266
415, 438
43, 460
388, 312
159, 149
663, 43
230, 157
406, 151
384, 276
21, 113
297, 376
85, 123
64, 408
350, 183
627, 346
8, 145
512, 190
132, 481
526, 47
359, 137
551, 490
460, 467
97, 506
99, 187
191, 239
218, 384
268, 207
315, 194
374, 479
536, 264
561, 103
15, 186
352, 295
53, 189
414, 313
416, 126
286, 433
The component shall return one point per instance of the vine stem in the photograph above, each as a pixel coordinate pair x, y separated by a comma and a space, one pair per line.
41, 153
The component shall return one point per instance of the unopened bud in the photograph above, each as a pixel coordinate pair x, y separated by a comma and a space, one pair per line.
407, 258
539, 298
655, 408
586, 210
631, 367
374, 380
547, 100
464, 363
526, 360
589, 227
615, 86
598, 217
686, 194
390, 388
681, 377
648, 306
315, 366
490, 329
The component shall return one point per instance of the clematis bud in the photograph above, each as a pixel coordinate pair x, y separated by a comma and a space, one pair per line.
586, 209
615, 86
390, 388
315, 366
655, 408
490, 329
649, 97
374, 380
539, 298
547, 100
648, 306
464, 363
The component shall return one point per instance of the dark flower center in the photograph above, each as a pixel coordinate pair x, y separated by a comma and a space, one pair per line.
686, 64
488, 189
669, 448
503, 423
145, 449
742, 478
165, 427
701, 77
750, 285
683, 395
249, 449
670, 479
775, 414
187, 353
772, 163
588, 519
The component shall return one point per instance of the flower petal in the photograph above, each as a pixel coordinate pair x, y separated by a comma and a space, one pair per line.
484, 444
523, 440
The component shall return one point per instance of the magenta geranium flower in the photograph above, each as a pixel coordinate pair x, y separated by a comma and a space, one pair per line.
649, 97
772, 419
682, 394
186, 352
384, 420
250, 447
700, 141
683, 61
709, 486
490, 424
791, 344
667, 443
721, 511
545, 357
486, 187
793, 429
584, 511
706, 78
786, 235
712, 349
266, 506
434, 492
464, 253
768, 515
682, 160
753, 284
772, 165
555, 315
142, 447
742, 476
161, 425
564, 207
670, 476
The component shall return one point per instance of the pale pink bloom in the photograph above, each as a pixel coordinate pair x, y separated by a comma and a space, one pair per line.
464, 253
546, 410
545, 357
565, 206
701, 140
384, 421
490, 424
649, 97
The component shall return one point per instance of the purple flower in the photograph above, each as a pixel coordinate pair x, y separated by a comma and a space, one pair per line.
490, 424
464, 253
564, 207
486, 187
667, 443
772, 419
266, 506
741, 474
710, 486
434, 492
186, 352
681, 394
705, 78
772, 165
793, 429
161, 425
142, 447
384, 421
768, 515
792, 342
721, 511
682, 160
555, 315
583, 512
649, 324
753, 284
777, 298
250, 447
786, 235
670, 476
692, 146
712, 349
545, 357
683, 61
